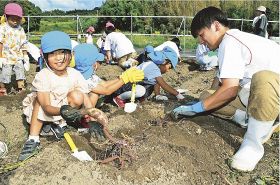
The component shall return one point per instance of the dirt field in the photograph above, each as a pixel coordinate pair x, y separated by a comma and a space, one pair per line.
189, 151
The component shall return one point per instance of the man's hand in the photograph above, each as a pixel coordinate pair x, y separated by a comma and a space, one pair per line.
188, 110
132, 75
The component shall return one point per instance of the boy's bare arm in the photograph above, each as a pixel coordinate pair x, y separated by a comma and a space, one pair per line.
110, 82
107, 89
108, 56
165, 86
157, 89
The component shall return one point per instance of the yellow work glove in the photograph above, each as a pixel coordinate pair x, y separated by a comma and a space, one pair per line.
132, 75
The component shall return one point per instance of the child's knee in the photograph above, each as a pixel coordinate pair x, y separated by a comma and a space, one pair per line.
140, 91
93, 98
75, 98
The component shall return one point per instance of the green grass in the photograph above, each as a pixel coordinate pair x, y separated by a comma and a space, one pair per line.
68, 26
139, 41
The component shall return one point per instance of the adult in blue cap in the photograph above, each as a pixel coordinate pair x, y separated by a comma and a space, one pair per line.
87, 60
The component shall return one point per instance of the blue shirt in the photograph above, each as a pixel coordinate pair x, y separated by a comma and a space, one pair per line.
151, 71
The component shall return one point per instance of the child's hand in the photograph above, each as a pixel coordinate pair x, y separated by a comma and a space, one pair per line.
180, 97
161, 98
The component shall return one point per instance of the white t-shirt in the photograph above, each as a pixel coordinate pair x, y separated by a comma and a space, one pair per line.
34, 51
74, 43
171, 44
151, 71
100, 43
119, 44
242, 54
57, 86
93, 81
89, 39
203, 56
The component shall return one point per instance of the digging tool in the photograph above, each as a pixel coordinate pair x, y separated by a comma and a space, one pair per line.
131, 107
82, 155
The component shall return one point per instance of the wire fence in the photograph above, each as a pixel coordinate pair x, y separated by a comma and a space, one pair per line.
151, 26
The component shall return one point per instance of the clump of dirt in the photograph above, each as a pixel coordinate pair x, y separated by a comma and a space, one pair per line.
189, 151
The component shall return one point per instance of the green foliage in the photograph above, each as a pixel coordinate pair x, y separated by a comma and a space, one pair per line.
235, 9
140, 41
66, 26
146, 25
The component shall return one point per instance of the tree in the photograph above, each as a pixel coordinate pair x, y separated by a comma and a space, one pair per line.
28, 9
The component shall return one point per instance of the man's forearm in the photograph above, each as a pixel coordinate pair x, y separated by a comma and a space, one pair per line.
220, 97
215, 83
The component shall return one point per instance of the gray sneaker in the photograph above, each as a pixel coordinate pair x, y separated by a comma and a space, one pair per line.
46, 130
58, 131
96, 131
30, 149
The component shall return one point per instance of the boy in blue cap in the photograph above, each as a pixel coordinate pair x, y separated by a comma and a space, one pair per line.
156, 64
87, 60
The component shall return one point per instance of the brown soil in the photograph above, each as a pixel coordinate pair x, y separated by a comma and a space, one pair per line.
189, 151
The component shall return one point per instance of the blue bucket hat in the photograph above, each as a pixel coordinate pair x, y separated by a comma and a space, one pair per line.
55, 40
149, 49
171, 55
156, 56
85, 56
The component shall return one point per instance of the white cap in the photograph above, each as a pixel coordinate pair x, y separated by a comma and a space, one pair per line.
261, 8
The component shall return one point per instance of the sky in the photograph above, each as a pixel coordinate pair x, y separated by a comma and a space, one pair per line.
66, 5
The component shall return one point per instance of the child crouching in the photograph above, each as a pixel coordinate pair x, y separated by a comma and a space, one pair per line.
53, 86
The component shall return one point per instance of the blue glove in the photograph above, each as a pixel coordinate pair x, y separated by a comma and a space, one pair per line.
188, 110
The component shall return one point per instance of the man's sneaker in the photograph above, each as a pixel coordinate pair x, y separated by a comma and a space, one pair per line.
3, 149
119, 102
58, 131
30, 148
46, 130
